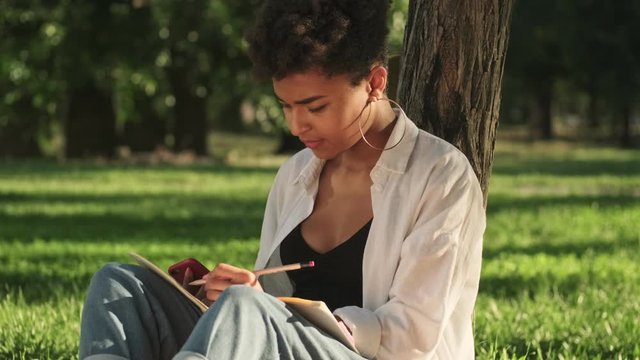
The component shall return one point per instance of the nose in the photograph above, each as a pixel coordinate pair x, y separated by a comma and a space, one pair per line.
297, 123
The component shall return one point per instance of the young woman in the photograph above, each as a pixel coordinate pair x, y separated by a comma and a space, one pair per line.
392, 216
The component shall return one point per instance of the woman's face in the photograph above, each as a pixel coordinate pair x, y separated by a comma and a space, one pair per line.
322, 111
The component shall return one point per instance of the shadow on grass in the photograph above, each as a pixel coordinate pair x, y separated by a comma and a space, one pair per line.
578, 248
143, 218
108, 227
516, 285
569, 167
125, 218
164, 200
500, 203
51, 168
68, 277
49, 287
549, 278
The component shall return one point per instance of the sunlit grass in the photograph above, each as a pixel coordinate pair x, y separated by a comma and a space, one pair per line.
561, 276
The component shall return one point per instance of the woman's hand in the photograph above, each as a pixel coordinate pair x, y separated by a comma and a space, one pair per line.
225, 275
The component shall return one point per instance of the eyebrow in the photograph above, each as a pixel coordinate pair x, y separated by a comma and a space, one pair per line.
303, 101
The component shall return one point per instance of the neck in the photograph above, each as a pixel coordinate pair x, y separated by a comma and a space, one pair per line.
361, 157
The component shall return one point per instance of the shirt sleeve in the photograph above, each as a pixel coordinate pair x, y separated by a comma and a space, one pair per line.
440, 256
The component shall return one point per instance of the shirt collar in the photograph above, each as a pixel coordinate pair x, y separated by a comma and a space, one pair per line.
404, 134
310, 172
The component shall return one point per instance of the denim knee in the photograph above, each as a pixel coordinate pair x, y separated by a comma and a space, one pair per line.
240, 293
111, 271
241, 296
113, 279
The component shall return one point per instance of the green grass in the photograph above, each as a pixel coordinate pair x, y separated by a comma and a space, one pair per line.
560, 280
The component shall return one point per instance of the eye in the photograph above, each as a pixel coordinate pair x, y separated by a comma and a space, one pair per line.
318, 109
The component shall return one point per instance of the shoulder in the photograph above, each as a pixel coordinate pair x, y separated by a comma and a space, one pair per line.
435, 156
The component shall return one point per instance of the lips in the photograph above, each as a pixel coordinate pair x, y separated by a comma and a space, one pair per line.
311, 144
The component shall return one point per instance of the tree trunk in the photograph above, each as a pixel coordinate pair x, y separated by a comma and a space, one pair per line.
594, 120
228, 115
394, 77
90, 129
190, 110
453, 61
625, 129
18, 135
147, 132
543, 113
190, 113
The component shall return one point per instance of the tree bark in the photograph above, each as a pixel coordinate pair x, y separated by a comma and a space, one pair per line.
453, 61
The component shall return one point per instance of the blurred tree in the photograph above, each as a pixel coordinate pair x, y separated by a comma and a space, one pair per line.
562, 50
182, 27
205, 66
143, 124
87, 54
146, 130
453, 61
17, 137
602, 43
230, 82
90, 129
30, 32
624, 81
185, 73
65, 56
585, 27
536, 60
133, 72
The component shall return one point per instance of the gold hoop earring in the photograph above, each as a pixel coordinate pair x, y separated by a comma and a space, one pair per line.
404, 127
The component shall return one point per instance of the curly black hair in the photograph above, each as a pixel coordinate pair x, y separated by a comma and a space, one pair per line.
333, 36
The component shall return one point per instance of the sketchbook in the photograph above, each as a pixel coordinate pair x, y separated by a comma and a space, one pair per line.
316, 312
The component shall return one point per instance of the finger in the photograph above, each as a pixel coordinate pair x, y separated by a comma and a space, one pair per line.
234, 274
217, 284
213, 295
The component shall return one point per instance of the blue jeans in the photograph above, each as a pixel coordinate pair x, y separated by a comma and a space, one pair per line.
131, 313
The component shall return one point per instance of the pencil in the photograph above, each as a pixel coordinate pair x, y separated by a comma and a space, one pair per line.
273, 270
290, 267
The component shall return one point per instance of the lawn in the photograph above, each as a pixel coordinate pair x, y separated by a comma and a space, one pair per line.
560, 280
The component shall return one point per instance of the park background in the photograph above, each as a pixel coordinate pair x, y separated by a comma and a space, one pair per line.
136, 126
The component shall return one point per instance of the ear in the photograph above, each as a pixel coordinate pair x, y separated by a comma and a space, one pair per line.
377, 82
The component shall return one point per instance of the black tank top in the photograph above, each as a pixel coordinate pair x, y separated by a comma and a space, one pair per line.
336, 277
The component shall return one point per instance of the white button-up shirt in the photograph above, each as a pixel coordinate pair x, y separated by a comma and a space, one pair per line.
421, 263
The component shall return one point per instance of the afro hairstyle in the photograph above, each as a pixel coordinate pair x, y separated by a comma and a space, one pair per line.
333, 36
